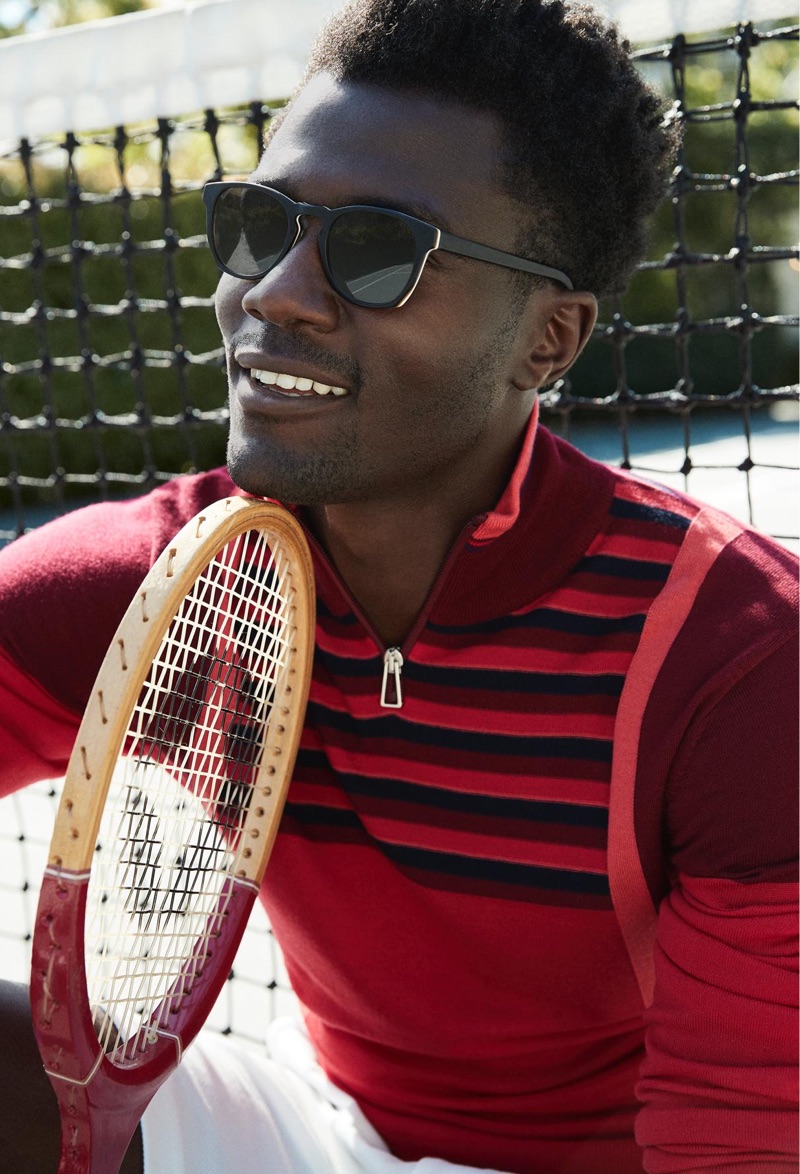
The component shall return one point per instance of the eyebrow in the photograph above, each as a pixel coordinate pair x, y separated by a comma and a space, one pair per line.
417, 209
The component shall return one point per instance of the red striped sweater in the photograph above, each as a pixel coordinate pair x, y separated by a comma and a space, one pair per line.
540, 917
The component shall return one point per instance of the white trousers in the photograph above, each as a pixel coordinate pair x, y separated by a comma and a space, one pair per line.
228, 1110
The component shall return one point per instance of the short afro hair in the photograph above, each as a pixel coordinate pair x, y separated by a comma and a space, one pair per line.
587, 146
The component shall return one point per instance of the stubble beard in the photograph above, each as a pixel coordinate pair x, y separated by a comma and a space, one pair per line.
268, 469
345, 470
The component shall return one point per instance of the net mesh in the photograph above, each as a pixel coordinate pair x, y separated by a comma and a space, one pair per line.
732, 271
112, 380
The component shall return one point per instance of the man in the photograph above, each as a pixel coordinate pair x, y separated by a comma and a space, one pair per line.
533, 881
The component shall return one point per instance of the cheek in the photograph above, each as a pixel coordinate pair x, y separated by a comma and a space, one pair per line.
431, 353
436, 390
455, 368
228, 304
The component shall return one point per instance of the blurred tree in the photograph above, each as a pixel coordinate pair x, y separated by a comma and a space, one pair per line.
28, 16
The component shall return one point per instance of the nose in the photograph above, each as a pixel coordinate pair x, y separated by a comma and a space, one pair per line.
296, 292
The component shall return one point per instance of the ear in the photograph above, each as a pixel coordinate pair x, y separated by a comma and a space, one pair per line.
554, 328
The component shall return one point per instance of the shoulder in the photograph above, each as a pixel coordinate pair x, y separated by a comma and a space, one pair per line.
712, 693
732, 593
107, 542
728, 605
724, 575
715, 571
65, 586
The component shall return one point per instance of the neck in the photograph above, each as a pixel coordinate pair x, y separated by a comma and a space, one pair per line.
388, 558
389, 551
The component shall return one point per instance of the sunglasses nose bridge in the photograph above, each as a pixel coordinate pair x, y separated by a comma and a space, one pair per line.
301, 212
299, 218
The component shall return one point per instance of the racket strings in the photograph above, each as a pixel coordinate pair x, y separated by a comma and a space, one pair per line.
181, 792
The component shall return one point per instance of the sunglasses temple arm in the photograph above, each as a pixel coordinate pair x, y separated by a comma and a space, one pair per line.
465, 248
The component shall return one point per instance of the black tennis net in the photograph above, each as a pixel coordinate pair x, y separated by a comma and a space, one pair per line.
111, 375
111, 369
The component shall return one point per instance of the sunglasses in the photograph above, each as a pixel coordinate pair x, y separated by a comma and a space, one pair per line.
371, 256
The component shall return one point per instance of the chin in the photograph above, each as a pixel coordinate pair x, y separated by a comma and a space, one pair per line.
289, 478
258, 477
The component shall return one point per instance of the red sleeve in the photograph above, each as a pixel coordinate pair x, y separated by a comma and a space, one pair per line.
65, 586
720, 1074
36, 731
719, 1081
63, 590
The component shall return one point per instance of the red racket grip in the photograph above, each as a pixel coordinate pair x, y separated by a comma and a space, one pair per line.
102, 1103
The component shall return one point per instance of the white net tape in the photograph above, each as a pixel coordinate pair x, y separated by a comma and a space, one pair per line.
215, 53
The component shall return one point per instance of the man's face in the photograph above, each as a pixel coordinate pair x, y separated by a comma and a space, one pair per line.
429, 384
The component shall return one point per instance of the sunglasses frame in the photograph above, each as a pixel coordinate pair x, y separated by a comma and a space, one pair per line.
427, 239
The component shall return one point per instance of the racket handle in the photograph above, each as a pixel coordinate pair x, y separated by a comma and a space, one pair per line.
94, 1137
101, 1103
93, 1140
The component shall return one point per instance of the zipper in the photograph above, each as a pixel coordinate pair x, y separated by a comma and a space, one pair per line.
392, 667
391, 695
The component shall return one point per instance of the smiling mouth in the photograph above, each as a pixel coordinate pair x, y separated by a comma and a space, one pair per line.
294, 386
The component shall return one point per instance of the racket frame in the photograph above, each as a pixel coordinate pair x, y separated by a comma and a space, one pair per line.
96, 1116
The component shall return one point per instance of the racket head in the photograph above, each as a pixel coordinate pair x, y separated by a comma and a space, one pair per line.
172, 801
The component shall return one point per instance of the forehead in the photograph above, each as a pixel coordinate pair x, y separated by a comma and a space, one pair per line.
344, 142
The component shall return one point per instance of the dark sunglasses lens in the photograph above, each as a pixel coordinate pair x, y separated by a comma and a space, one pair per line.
371, 256
249, 230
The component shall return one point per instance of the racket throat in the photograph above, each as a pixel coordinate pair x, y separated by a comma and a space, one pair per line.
392, 685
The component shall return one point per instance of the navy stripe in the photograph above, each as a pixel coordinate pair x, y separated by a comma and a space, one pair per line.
347, 620
621, 508
514, 681
312, 759
350, 666
533, 810
551, 620
494, 680
311, 813
449, 864
497, 870
565, 685
395, 728
624, 568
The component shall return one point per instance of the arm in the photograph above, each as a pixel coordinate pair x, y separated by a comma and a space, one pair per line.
36, 731
718, 1083
63, 590
30, 1126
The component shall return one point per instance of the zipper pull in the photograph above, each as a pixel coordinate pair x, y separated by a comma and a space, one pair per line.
392, 663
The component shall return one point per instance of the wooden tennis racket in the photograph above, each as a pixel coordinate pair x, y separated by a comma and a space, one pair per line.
170, 808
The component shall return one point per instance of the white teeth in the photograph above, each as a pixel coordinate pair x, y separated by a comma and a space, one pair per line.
294, 382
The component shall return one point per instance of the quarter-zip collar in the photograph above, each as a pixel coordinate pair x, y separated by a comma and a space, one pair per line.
391, 689
505, 513
555, 502
555, 507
